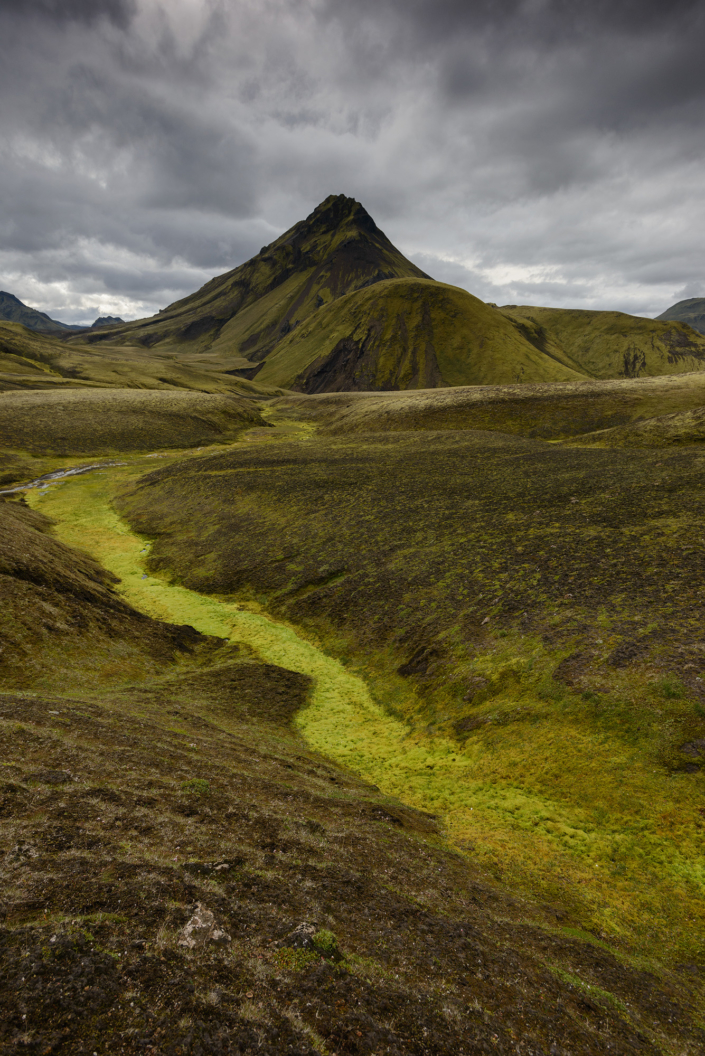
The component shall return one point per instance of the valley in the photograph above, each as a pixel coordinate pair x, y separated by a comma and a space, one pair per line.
367, 618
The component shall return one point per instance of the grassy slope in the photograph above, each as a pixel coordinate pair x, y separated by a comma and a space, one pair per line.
612, 344
550, 411
133, 797
404, 334
109, 421
30, 360
535, 607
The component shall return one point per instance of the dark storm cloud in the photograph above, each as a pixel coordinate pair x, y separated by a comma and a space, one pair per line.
89, 11
536, 150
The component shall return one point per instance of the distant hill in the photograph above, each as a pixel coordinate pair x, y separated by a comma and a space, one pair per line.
14, 311
107, 320
691, 311
611, 344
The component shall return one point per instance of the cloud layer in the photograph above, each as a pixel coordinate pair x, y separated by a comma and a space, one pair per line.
533, 151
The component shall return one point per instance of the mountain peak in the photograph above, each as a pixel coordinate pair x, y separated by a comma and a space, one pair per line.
338, 249
336, 209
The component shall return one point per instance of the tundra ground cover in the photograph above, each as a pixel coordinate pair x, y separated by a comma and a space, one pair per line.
530, 613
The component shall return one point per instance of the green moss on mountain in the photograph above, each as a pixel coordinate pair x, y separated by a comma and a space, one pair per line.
247, 311
612, 344
406, 334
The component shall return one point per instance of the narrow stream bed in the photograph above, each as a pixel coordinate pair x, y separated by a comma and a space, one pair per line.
341, 721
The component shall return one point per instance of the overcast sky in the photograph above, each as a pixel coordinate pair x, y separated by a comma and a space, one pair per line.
533, 151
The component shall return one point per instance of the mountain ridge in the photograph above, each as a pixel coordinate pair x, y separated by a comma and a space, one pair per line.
13, 310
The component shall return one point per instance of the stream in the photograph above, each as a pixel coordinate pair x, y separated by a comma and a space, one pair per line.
341, 720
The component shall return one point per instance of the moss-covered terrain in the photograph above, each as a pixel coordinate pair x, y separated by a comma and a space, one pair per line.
408, 334
530, 612
34, 361
612, 344
152, 778
108, 421
546, 411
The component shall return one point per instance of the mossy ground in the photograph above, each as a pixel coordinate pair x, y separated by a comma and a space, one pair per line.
127, 803
525, 696
519, 609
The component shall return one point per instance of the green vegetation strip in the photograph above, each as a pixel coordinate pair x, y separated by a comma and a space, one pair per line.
561, 847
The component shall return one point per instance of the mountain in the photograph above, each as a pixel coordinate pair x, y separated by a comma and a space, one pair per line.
246, 312
611, 344
691, 311
107, 320
14, 311
331, 305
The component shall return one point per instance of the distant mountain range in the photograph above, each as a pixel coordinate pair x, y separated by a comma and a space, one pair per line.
13, 310
691, 311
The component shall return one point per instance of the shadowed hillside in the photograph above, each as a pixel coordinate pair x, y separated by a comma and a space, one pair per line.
691, 312
12, 310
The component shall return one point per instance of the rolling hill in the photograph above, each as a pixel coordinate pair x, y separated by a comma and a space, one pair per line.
691, 311
409, 334
612, 344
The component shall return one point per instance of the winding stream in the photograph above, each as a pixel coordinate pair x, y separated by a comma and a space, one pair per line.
491, 816
341, 721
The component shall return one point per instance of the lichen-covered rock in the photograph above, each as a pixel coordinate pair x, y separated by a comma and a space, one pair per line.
202, 928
